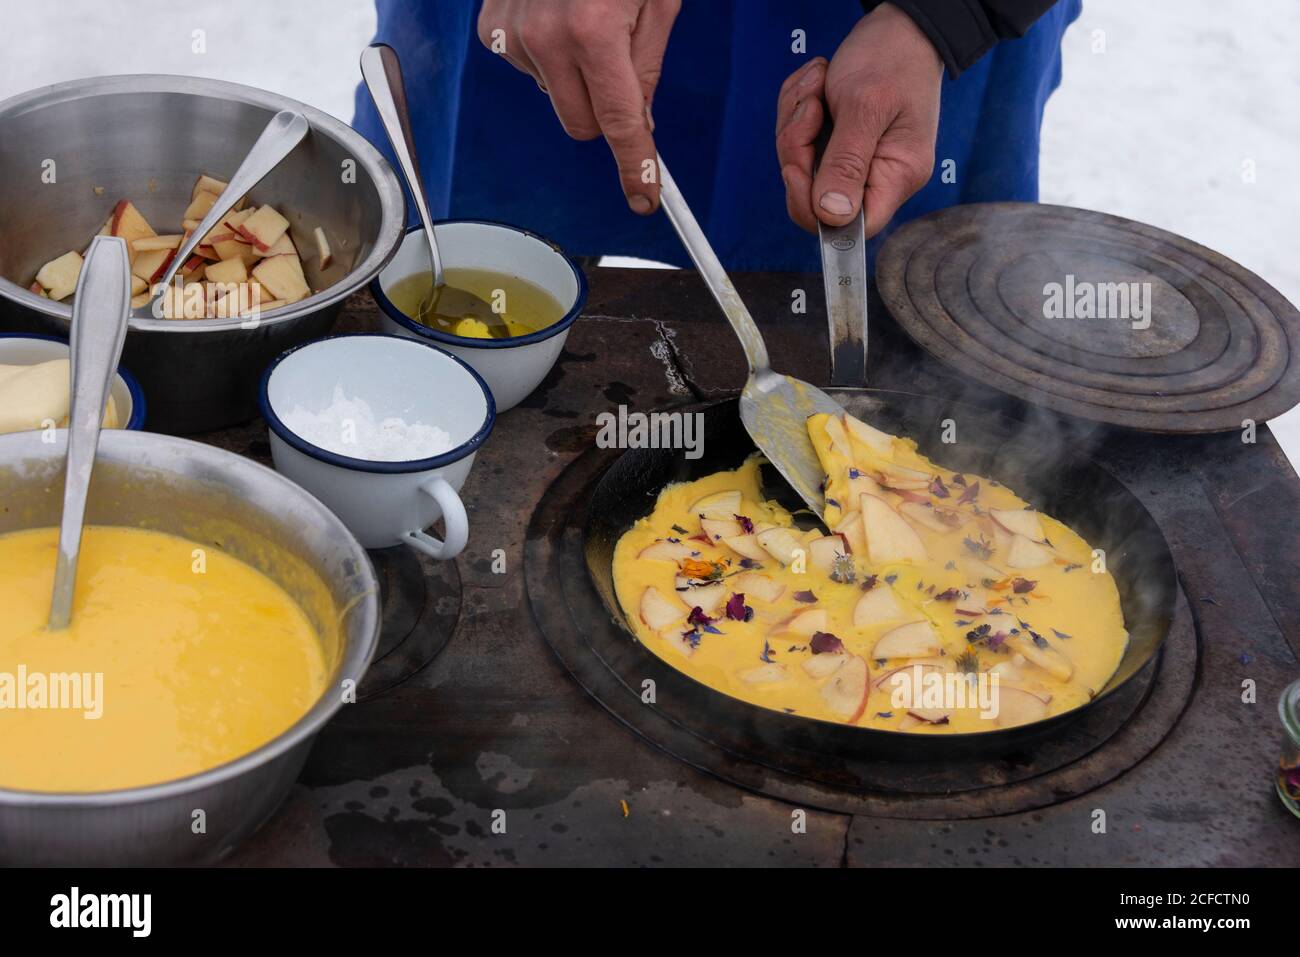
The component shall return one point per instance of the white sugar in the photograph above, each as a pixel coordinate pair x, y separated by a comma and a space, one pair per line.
348, 426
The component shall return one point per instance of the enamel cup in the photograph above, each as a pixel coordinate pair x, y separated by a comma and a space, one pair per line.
382, 503
514, 366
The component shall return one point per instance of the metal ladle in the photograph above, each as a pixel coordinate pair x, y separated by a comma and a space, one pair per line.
99, 316
382, 72
773, 407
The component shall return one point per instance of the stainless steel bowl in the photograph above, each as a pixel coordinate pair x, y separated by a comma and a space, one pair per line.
146, 138
219, 499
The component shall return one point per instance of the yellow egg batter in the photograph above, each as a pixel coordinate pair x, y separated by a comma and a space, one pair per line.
175, 663
939, 603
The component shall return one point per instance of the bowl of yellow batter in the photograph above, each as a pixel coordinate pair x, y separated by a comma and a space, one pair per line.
221, 616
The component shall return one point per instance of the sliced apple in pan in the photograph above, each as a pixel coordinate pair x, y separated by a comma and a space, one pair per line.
227, 271
974, 601
674, 635
910, 721
1046, 657
906, 678
770, 672
916, 639
324, 257
850, 526
981, 571
925, 516
658, 610
871, 437
147, 243
1016, 706
723, 505
823, 666
823, 552
846, 692
806, 623
1019, 521
860, 483
746, 546
666, 551
263, 227
839, 438
208, 184
900, 477
151, 264
930, 715
889, 537
877, 605
781, 543
1024, 553
757, 585
58, 277
719, 528
708, 598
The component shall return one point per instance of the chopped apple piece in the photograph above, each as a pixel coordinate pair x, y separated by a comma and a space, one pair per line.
141, 300
1044, 656
860, 483
900, 477
758, 585
926, 516
916, 639
746, 546
847, 690
1026, 554
708, 598
658, 610
200, 205
128, 223
675, 637
806, 623
324, 258
850, 526
58, 277
722, 505
889, 537
666, 551
906, 679
263, 227
1016, 706
839, 438
719, 528
974, 601
281, 247
282, 276
875, 606
823, 666
207, 184
227, 271
765, 674
1019, 521
148, 243
780, 543
872, 438
146, 264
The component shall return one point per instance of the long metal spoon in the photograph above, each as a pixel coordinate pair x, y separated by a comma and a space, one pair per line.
382, 72
99, 317
285, 131
774, 407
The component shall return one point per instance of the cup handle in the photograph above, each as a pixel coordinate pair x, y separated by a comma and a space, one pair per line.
453, 516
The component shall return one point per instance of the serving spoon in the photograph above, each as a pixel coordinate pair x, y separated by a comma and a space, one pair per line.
276, 141
774, 407
99, 316
382, 72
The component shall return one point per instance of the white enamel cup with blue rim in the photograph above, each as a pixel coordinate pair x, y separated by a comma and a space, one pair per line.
382, 503
512, 367
26, 349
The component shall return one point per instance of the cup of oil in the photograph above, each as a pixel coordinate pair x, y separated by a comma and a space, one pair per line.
534, 289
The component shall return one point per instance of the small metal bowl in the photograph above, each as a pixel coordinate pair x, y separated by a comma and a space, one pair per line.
221, 500
73, 149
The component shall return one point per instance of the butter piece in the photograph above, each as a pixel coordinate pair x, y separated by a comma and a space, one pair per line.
31, 395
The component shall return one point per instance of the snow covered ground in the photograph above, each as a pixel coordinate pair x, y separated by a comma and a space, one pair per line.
1159, 127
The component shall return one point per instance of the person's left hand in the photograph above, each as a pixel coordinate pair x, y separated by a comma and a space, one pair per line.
882, 89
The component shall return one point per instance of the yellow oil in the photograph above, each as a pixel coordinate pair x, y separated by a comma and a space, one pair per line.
522, 306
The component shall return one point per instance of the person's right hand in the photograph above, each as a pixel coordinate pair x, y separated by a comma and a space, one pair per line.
599, 61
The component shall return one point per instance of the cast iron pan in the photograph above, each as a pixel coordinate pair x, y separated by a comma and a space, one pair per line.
1031, 458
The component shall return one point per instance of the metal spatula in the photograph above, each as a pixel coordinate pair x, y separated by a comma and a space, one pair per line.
774, 407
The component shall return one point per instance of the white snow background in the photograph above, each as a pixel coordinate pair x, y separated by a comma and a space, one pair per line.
1164, 103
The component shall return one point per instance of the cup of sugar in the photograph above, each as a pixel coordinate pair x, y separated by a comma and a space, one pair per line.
383, 429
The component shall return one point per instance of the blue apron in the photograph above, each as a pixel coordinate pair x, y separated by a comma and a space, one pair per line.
490, 146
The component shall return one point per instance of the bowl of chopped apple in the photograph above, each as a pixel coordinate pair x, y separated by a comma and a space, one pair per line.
144, 158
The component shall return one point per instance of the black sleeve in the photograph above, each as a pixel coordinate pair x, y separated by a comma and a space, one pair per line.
964, 30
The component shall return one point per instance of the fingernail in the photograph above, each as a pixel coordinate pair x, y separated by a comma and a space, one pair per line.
837, 204
639, 204
810, 78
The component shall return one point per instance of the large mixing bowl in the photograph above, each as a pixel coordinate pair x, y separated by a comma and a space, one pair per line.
218, 499
146, 139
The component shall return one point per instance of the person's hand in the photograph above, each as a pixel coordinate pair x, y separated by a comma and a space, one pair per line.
599, 61
882, 91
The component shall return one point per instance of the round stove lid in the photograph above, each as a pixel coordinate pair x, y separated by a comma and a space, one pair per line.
1094, 315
